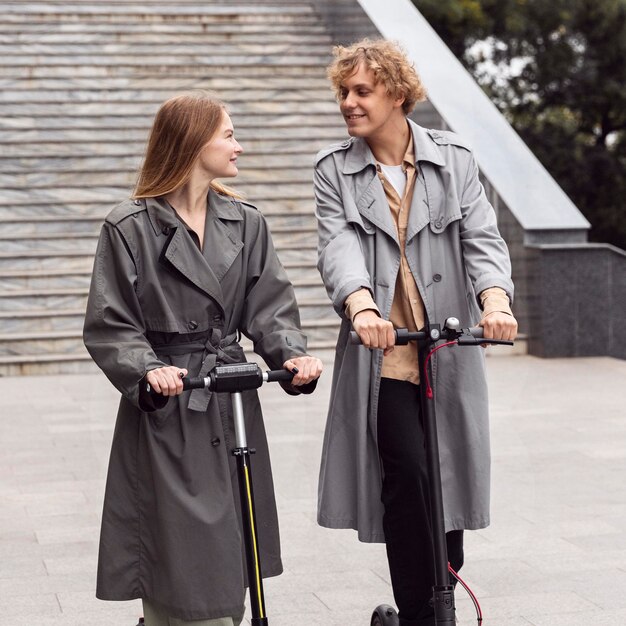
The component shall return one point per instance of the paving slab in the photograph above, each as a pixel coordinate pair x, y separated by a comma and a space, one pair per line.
555, 554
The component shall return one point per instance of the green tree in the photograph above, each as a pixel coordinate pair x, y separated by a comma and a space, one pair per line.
557, 70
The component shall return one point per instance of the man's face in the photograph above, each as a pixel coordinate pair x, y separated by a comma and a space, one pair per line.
366, 106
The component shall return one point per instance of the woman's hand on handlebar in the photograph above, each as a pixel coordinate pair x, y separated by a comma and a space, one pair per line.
498, 325
167, 380
374, 331
309, 368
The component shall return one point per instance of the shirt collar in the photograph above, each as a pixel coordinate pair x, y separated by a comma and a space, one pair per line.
421, 148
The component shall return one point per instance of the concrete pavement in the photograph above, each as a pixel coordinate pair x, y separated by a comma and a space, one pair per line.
555, 554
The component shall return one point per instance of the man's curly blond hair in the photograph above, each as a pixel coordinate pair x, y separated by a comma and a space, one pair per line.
390, 66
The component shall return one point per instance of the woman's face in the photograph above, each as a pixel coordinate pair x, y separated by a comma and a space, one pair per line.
218, 158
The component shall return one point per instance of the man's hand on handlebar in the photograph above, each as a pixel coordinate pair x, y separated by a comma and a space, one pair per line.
374, 331
309, 368
167, 380
498, 325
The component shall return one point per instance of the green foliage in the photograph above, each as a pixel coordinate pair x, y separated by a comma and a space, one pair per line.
557, 70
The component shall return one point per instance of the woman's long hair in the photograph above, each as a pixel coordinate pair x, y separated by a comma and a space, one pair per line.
182, 127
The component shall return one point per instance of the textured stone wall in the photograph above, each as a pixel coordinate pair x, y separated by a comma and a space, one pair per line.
579, 301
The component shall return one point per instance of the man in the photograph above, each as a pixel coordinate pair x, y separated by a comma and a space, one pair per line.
406, 235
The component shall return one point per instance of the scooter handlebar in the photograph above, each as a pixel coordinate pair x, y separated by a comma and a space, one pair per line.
277, 375
194, 383
231, 378
464, 336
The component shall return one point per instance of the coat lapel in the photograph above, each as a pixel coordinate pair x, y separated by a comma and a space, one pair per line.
371, 201
426, 198
181, 252
221, 244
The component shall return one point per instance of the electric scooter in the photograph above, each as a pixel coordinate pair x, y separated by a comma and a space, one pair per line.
234, 379
427, 339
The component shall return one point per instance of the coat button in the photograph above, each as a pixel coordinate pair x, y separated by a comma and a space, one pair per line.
166, 230
437, 277
217, 319
137, 202
438, 224
192, 325
215, 442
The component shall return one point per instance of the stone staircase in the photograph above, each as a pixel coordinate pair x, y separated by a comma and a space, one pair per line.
80, 82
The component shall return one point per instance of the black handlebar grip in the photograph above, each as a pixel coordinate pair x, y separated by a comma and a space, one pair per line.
276, 375
193, 383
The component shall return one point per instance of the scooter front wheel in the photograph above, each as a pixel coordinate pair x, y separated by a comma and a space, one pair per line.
384, 615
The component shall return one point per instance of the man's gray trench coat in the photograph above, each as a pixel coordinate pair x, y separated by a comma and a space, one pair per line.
170, 527
454, 252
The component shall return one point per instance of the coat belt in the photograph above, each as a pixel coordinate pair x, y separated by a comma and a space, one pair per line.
217, 350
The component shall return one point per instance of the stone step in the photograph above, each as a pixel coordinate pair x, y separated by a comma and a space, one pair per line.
90, 225
34, 28
66, 164
25, 299
127, 135
69, 261
324, 104
286, 93
319, 338
41, 320
127, 179
256, 147
98, 208
72, 259
256, 192
199, 56
86, 242
147, 12
80, 277
39, 333
37, 319
65, 52
111, 152
75, 297
20, 287
71, 341
132, 70
48, 364
33, 280
233, 35
167, 83
44, 260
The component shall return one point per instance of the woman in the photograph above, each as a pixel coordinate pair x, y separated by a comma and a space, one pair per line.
180, 270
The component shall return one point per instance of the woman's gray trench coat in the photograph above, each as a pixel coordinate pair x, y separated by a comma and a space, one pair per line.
170, 527
454, 252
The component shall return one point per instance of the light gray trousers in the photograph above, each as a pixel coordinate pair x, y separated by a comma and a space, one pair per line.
155, 616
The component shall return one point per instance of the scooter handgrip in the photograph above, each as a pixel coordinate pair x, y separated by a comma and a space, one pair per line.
193, 383
477, 332
276, 375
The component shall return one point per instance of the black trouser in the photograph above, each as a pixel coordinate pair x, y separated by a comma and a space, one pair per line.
406, 521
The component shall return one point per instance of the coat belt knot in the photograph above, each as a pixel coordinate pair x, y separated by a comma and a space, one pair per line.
219, 350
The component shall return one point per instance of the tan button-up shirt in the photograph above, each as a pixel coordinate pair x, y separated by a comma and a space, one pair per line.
407, 308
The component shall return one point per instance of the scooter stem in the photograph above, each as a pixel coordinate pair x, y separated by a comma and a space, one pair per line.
443, 592
244, 474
